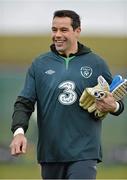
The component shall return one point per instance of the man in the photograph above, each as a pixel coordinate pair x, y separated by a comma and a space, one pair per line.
69, 144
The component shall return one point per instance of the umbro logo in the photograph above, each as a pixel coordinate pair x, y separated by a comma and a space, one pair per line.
50, 72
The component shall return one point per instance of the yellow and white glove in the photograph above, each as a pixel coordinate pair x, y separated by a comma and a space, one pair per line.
118, 87
87, 99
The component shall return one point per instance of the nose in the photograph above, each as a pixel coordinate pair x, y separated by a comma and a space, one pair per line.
58, 33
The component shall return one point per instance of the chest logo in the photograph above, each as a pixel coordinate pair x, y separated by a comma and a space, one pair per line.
86, 71
50, 72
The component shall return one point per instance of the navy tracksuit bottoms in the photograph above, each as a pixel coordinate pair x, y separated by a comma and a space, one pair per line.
85, 169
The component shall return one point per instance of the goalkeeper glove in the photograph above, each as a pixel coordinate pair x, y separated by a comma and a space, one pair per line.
87, 99
118, 88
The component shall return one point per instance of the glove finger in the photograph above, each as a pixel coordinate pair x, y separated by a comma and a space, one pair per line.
103, 84
86, 101
91, 90
92, 108
83, 96
100, 114
122, 91
117, 95
88, 104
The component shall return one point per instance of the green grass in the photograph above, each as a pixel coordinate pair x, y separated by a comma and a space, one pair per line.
112, 172
32, 171
22, 171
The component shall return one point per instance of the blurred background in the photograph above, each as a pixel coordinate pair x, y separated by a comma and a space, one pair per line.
25, 27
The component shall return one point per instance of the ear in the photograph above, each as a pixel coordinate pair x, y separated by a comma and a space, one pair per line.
77, 31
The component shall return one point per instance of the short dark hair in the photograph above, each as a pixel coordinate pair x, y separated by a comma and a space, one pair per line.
71, 14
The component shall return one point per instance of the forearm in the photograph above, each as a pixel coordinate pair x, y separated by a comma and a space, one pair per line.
23, 109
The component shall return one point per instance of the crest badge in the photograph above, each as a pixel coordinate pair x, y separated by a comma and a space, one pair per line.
86, 71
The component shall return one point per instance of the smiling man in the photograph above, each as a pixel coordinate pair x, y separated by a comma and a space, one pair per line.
65, 36
69, 137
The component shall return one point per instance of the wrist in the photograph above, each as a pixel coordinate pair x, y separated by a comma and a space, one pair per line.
18, 131
117, 107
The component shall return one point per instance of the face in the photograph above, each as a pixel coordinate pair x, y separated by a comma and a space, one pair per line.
63, 35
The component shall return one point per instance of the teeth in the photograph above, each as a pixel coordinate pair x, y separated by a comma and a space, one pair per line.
59, 41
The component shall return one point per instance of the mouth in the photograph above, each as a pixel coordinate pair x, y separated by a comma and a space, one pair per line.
59, 42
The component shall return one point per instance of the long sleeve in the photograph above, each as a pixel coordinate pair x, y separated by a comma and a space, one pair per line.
23, 109
120, 110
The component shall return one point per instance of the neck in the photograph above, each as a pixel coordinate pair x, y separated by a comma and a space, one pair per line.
73, 50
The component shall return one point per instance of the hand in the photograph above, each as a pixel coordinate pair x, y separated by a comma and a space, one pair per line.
18, 145
106, 104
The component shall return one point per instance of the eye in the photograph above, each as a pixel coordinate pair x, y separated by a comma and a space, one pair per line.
64, 29
54, 29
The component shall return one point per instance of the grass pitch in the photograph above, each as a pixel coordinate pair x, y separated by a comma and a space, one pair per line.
32, 171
